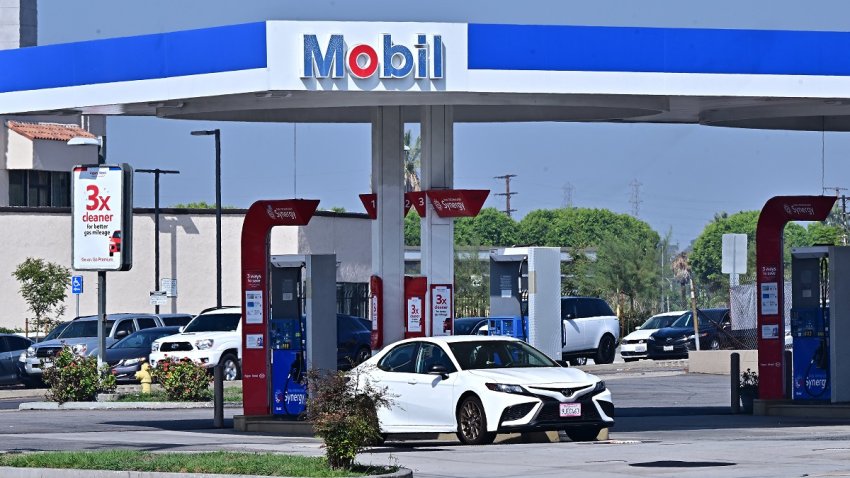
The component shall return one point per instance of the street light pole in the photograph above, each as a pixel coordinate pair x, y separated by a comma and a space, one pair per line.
217, 133
156, 172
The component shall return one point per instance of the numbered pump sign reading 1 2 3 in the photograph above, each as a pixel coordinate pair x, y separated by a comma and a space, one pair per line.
102, 209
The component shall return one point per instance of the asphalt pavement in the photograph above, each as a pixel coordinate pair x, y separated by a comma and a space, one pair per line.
669, 423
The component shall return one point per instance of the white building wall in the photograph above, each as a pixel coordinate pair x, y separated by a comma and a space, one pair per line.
187, 253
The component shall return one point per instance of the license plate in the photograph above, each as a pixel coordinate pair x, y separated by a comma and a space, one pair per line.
570, 410
640, 348
668, 348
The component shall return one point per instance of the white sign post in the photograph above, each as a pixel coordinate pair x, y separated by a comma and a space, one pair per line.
734, 256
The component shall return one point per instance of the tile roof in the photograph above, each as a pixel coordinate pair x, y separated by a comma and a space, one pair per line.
50, 131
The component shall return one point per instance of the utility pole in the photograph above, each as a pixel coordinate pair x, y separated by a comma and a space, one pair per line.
507, 193
843, 210
568, 195
635, 199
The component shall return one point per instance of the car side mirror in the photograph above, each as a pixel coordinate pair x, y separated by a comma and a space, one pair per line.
180, 330
121, 334
440, 370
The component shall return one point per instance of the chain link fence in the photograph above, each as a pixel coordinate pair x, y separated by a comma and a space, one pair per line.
743, 300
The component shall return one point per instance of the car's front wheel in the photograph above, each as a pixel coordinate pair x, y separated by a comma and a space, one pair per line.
231, 367
362, 355
472, 423
714, 344
588, 433
606, 351
578, 361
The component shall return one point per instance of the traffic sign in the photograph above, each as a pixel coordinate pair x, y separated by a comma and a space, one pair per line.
169, 286
77, 284
158, 297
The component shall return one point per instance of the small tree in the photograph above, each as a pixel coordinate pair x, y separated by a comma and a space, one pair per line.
44, 286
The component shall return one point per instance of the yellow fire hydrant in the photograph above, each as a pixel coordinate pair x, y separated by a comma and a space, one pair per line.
144, 376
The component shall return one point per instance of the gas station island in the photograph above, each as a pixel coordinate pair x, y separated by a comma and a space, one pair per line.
437, 74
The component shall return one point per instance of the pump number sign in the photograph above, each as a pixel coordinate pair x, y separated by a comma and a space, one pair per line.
101, 202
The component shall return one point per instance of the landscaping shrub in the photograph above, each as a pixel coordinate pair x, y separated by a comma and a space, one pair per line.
183, 380
344, 414
73, 378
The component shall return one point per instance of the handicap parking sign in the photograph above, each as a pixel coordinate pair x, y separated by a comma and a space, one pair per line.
77, 284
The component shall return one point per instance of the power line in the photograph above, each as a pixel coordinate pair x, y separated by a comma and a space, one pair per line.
507, 193
635, 199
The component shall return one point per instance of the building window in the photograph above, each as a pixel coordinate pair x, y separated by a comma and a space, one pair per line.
39, 188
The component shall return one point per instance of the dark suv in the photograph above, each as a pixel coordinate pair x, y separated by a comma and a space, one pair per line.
675, 341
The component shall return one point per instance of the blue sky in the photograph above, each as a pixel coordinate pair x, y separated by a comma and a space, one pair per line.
687, 172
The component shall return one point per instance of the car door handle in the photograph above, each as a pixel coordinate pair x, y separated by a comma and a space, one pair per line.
412, 382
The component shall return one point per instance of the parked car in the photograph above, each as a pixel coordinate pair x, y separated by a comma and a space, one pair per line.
175, 320
54, 332
11, 348
633, 346
590, 330
81, 336
470, 326
480, 386
213, 337
675, 341
126, 356
354, 341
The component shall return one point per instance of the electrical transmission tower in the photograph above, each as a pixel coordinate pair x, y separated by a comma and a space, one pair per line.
843, 210
635, 199
568, 195
507, 193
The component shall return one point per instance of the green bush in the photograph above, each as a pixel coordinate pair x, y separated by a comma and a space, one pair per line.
183, 380
344, 414
73, 378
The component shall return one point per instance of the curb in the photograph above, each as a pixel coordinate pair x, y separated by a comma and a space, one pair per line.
10, 472
118, 406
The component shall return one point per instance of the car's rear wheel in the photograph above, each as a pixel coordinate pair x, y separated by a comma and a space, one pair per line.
714, 344
606, 351
231, 367
578, 361
472, 423
588, 433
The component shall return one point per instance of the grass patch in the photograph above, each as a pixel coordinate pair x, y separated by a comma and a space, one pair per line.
266, 464
231, 395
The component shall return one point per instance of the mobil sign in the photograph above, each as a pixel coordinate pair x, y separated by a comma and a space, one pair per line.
388, 56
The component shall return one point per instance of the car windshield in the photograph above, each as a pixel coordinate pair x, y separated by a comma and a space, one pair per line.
83, 328
658, 322
140, 340
685, 320
214, 323
491, 354
56, 331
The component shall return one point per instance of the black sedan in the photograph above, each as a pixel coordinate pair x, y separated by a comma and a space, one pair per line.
678, 339
125, 357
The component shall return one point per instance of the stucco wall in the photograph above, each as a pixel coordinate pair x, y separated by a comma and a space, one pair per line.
187, 253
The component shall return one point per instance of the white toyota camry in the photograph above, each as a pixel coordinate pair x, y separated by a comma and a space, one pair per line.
480, 386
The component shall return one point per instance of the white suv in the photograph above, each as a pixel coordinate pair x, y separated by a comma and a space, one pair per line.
213, 337
590, 330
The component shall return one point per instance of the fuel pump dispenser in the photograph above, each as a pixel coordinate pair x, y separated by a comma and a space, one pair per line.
525, 296
810, 323
820, 323
302, 326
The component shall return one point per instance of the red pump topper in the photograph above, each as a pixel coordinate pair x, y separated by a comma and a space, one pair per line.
376, 311
415, 289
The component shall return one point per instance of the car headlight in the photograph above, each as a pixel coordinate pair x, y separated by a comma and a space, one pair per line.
22, 357
155, 347
31, 352
79, 349
506, 388
204, 344
600, 387
130, 361
650, 339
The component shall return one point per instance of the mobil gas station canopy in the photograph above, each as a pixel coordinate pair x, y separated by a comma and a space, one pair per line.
336, 71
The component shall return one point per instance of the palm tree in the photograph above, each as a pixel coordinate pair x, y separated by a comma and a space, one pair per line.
412, 163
